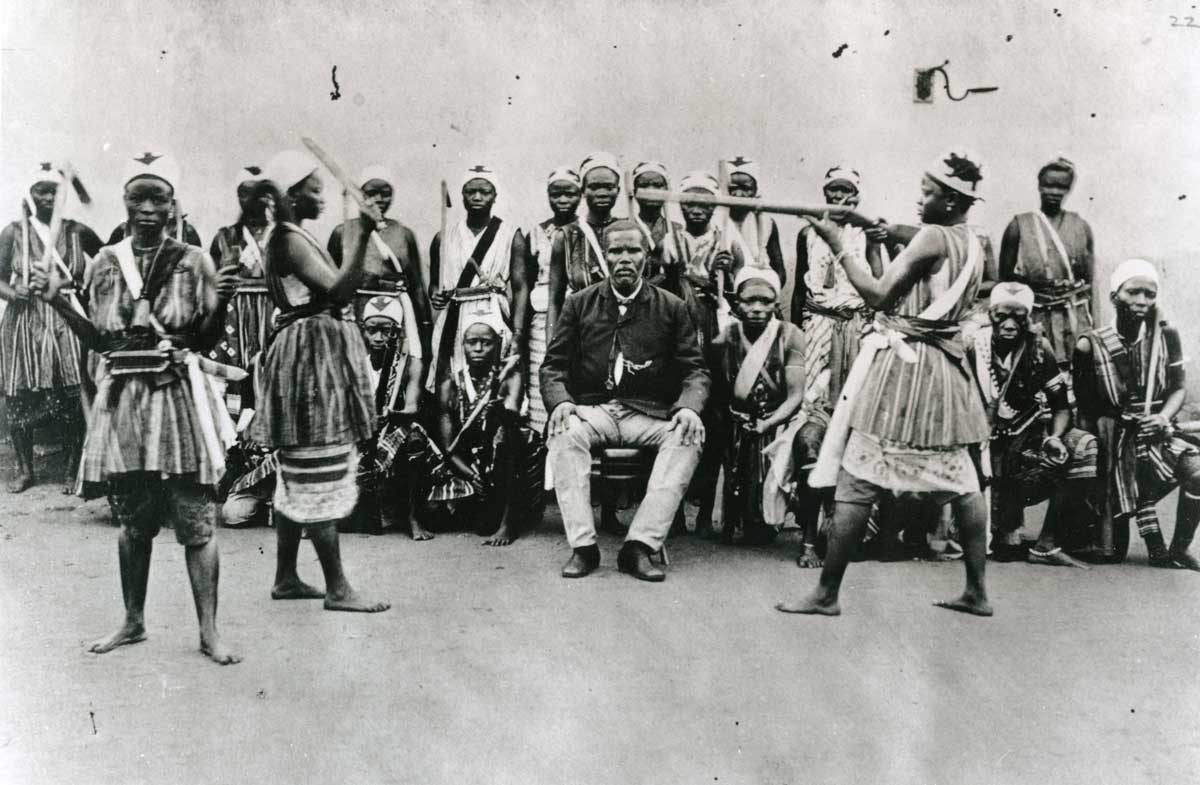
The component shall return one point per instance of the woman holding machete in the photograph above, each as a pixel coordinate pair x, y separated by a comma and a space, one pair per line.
315, 398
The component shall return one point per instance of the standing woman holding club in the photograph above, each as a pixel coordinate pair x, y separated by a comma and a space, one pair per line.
40, 367
315, 397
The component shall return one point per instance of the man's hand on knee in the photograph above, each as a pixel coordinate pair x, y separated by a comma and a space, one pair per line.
688, 425
560, 418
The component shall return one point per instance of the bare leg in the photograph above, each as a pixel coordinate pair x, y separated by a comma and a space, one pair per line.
418, 532
134, 556
288, 585
204, 569
339, 594
808, 514
72, 448
849, 523
1065, 504
22, 440
971, 514
502, 497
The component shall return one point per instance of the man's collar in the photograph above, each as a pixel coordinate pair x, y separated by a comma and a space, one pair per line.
622, 299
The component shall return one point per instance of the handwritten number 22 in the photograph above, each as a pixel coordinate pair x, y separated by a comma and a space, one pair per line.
1189, 21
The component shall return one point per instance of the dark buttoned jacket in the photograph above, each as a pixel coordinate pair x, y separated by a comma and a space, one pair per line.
664, 369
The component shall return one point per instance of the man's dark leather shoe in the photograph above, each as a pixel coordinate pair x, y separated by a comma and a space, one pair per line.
634, 558
582, 562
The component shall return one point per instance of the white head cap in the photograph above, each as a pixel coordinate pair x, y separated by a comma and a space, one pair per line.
599, 160
45, 172
1011, 293
150, 164
376, 172
1130, 269
564, 174
481, 172
959, 170
753, 273
289, 168
739, 164
699, 179
387, 307
842, 173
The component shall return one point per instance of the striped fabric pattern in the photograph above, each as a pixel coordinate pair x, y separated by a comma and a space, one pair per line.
314, 383
148, 423
537, 354
145, 423
933, 402
831, 344
180, 305
317, 484
315, 388
38, 351
1144, 471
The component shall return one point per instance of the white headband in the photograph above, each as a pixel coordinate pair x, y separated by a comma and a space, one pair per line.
481, 172
564, 174
649, 167
387, 307
700, 179
45, 173
599, 160
151, 165
1130, 269
742, 165
1010, 293
843, 173
752, 273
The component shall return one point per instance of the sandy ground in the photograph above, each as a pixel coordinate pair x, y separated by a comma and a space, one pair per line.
492, 669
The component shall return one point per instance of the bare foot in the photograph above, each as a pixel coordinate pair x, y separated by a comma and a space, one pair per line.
967, 604
22, 483
809, 558
216, 651
811, 605
129, 633
420, 533
295, 590
1055, 557
503, 536
352, 602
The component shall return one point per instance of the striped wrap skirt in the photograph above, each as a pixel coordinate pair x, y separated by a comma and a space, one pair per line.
314, 388
537, 355
38, 351
145, 423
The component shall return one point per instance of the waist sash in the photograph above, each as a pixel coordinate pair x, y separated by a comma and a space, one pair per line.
893, 332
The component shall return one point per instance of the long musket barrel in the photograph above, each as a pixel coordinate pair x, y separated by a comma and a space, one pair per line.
755, 205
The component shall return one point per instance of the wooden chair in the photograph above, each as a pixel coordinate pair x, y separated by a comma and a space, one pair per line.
624, 471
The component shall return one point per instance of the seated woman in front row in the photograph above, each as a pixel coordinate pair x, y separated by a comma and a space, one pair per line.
761, 380
490, 468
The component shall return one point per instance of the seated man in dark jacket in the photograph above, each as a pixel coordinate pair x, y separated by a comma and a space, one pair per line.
623, 369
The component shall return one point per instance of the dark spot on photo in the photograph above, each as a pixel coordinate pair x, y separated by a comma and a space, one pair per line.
1182, 197
838, 52
1008, 37
887, 32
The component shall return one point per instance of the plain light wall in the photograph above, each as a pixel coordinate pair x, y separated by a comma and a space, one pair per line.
430, 88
